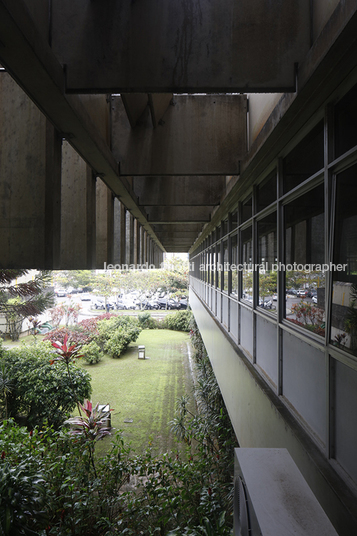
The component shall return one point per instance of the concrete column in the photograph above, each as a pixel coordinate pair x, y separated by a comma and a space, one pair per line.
78, 218
144, 246
30, 181
119, 232
136, 239
104, 224
129, 259
140, 250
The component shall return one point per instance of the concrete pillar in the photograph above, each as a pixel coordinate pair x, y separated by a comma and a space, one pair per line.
140, 250
145, 258
104, 224
30, 182
119, 232
136, 239
129, 256
78, 221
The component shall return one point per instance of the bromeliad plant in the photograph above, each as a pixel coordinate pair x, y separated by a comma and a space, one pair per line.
92, 424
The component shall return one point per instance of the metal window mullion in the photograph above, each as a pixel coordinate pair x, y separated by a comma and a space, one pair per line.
281, 303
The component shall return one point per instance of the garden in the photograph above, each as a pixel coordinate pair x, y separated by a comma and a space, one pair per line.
63, 470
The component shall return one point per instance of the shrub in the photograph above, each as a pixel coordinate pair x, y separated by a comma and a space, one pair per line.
179, 321
146, 321
117, 333
40, 391
92, 353
75, 335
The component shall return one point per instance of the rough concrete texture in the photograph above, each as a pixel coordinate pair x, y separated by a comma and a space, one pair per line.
22, 178
192, 45
200, 135
77, 219
104, 224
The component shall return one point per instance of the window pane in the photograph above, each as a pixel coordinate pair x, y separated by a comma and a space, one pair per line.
247, 260
234, 266
344, 303
225, 266
267, 258
346, 122
234, 219
246, 210
266, 193
306, 159
304, 260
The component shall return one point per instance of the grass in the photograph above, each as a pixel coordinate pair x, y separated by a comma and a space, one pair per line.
144, 391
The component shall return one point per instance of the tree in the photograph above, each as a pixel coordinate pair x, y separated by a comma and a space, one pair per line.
21, 299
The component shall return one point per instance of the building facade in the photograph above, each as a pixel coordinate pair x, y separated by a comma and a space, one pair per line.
127, 131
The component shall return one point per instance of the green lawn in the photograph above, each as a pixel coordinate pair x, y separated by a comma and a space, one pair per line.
144, 391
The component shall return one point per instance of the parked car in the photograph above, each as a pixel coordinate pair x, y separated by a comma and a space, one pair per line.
314, 299
302, 293
85, 297
183, 303
275, 297
61, 292
100, 304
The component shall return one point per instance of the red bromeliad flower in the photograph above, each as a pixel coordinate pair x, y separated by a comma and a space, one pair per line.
65, 352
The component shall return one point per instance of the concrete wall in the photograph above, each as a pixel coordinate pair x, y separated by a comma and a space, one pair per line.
321, 12
260, 419
104, 224
78, 212
260, 107
28, 159
200, 136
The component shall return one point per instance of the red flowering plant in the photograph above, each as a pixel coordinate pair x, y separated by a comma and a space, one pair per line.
65, 352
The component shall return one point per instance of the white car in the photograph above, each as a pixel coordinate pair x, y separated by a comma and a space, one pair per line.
314, 299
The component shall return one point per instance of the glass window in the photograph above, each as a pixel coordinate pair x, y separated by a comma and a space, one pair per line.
225, 227
213, 267
266, 192
304, 261
225, 266
234, 269
246, 210
346, 122
218, 265
267, 259
234, 219
344, 296
305, 160
247, 261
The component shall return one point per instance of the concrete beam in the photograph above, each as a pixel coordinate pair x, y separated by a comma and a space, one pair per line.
134, 104
104, 225
78, 207
28, 57
30, 182
179, 191
119, 232
191, 46
159, 103
175, 215
201, 135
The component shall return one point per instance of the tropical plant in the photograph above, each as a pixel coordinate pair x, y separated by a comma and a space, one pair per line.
21, 299
39, 392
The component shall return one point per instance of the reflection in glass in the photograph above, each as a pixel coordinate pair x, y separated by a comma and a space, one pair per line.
344, 296
225, 266
247, 260
305, 159
304, 261
267, 258
234, 270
